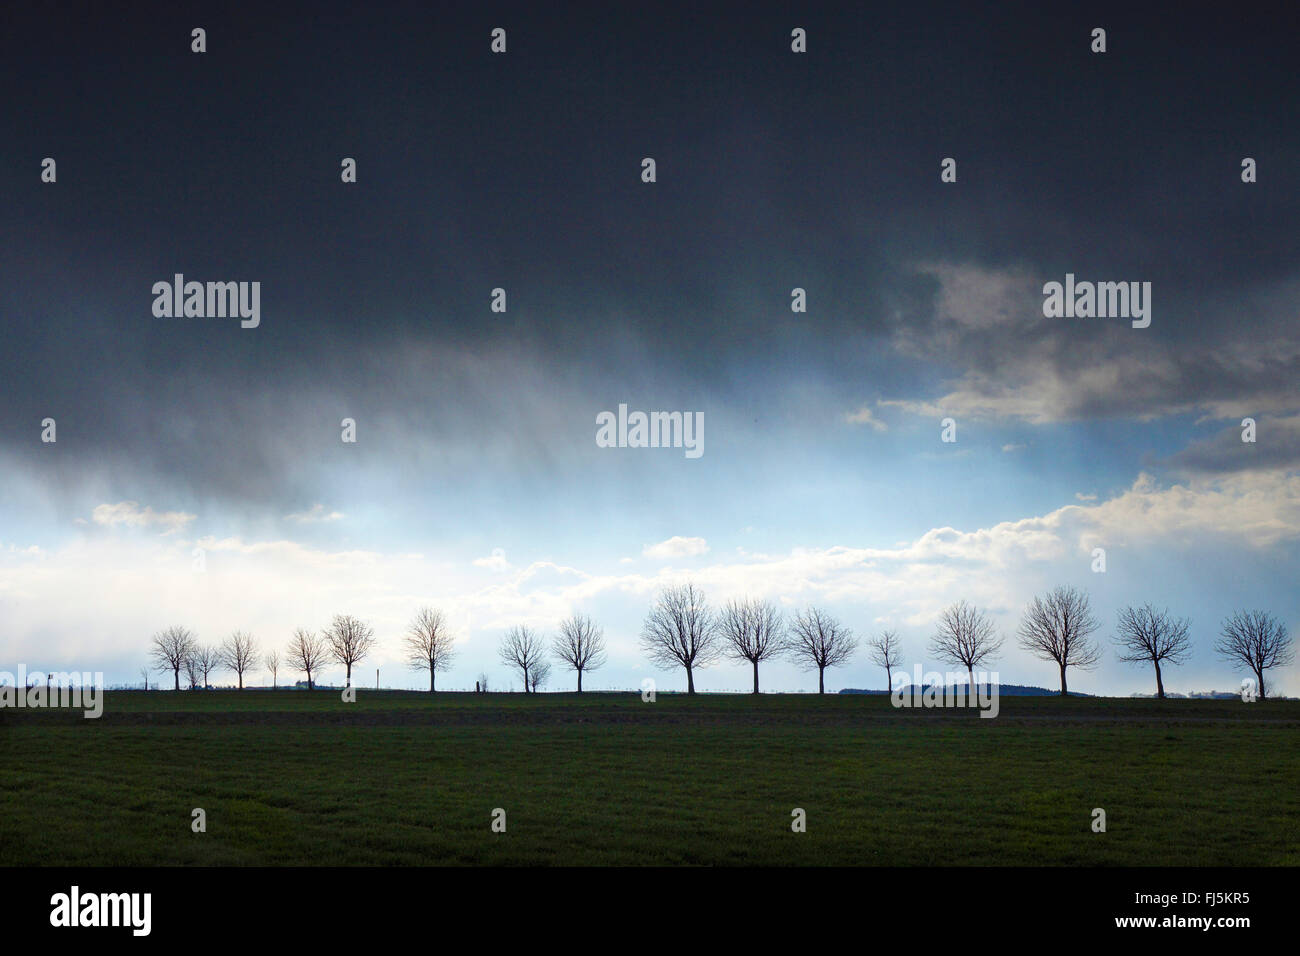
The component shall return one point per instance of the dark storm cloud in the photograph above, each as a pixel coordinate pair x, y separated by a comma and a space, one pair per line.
521, 171
1275, 445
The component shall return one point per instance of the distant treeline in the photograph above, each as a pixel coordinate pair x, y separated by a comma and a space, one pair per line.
683, 631
1006, 690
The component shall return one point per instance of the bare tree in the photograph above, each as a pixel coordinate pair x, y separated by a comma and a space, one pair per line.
193, 672
207, 659
819, 641
171, 649
1258, 640
681, 631
580, 644
1058, 628
483, 682
238, 653
1147, 635
540, 674
429, 644
349, 641
144, 672
887, 652
522, 648
753, 631
967, 636
306, 652
272, 663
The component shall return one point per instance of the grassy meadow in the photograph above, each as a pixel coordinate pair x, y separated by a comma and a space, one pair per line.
405, 778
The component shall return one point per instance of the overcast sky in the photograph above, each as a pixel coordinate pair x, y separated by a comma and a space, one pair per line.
476, 484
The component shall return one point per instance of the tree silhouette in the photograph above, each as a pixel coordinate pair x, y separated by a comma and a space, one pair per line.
681, 631
886, 651
819, 641
754, 632
522, 648
967, 636
306, 652
349, 641
429, 643
580, 644
1058, 628
238, 653
1147, 635
171, 649
1258, 640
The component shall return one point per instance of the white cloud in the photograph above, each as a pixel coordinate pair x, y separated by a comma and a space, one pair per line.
496, 561
864, 416
128, 587
676, 547
130, 514
316, 513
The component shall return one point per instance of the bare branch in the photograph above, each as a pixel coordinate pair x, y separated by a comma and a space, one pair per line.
429, 643
753, 631
1146, 635
349, 641
887, 652
681, 631
307, 653
580, 644
523, 649
966, 636
1058, 628
201, 663
238, 653
540, 674
171, 649
819, 641
272, 663
1258, 640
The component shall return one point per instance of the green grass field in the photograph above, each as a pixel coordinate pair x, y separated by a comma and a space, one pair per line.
408, 779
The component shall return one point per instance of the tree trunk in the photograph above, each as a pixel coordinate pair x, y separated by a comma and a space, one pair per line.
970, 686
579, 680
526, 690
241, 680
889, 680
176, 674
755, 677
1160, 684
1064, 690
431, 673
349, 679
1260, 675
690, 680
821, 680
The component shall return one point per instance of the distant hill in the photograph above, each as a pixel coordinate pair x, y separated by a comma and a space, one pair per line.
1210, 695
1004, 690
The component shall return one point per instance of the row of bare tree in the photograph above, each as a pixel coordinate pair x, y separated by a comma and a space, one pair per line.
682, 630
1059, 628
